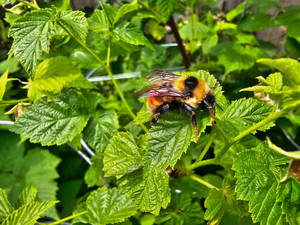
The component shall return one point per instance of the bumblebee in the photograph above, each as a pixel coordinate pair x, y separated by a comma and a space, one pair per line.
173, 92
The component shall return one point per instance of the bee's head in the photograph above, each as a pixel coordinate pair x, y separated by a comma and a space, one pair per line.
190, 83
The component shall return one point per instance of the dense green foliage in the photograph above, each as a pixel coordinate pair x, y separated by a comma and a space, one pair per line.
134, 174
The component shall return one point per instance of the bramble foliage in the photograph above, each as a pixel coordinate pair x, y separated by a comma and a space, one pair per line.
139, 174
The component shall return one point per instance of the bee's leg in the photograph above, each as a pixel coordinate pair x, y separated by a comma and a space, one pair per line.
161, 110
194, 124
191, 111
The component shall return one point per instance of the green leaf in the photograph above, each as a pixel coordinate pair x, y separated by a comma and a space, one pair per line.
235, 12
255, 22
289, 194
156, 30
11, 65
257, 177
264, 5
122, 155
215, 207
273, 83
94, 175
74, 22
109, 206
130, 34
169, 138
209, 43
149, 191
53, 74
5, 207
101, 127
55, 122
110, 11
198, 30
143, 116
3, 82
235, 57
289, 67
27, 195
32, 35
28, 214
98, 21
165, 8
37, 167
182, 210
124, 9
244, 113
290, 19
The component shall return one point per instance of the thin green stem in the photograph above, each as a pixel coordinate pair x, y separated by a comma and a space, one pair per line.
108, 70
292, 155
201, 181
203, 163
66, 218
124, 100
150, 9
14, 101
207, 146
83, 45
108, 54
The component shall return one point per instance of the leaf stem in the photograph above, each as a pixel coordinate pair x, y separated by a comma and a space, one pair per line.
201, 181
108, 54
291, 155
107, 68
14, 101
207, 146
203, 163
66, 218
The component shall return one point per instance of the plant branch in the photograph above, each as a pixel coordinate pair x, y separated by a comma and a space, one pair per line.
201, 181
183, 52
66, 218
292, 155
107, 68
203, 163
108, 54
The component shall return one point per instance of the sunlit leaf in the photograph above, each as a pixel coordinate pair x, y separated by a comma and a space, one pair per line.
149, 191
122, 155
28, 214
101, 127
55, 122
109, 206
53, 74
32, 36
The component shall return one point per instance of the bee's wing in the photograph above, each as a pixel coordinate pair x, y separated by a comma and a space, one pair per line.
158, 76
159, 91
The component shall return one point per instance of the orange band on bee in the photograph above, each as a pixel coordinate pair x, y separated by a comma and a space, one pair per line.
154, 102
